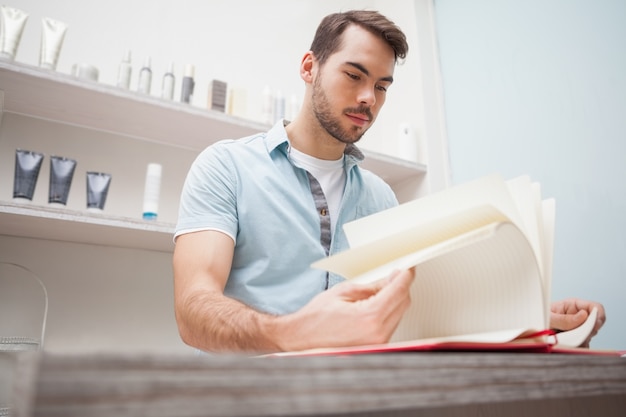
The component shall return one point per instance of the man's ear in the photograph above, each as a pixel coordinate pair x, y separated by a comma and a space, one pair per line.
308, 66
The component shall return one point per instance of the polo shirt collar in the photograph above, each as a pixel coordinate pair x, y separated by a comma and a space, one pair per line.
277, 138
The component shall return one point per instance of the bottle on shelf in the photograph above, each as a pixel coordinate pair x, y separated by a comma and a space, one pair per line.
279, 106
125, 71
152, 191
186, 94
267, 109
144, 83
167, 87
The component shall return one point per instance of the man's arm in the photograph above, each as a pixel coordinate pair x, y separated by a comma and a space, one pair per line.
348, 314
206, 318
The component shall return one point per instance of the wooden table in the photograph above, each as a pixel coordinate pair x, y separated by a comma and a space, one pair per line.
404, 384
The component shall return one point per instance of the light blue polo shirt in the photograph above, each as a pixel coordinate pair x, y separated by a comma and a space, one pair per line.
250, 190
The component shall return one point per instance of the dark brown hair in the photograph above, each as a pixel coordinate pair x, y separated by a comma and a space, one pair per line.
328, 36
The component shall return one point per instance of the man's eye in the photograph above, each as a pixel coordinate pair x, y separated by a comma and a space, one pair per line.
381, 88
353, 76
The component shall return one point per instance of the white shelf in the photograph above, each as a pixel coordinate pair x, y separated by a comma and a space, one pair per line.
391, 169
50, 223
50, 95
60, 98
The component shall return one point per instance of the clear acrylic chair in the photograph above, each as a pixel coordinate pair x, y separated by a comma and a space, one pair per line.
23, 312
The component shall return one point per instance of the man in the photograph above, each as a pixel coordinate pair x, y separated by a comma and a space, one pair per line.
256, 212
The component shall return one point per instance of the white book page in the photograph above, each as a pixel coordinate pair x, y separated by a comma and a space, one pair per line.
476, 270
505, 336
501, 336
540, 221
407, 241
434, 208
548, 210
484, 281
527, 201
423, 255
538, 217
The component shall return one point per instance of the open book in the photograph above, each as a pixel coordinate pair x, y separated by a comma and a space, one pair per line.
482, 253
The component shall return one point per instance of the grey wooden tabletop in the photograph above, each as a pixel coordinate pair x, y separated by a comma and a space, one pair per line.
402, 384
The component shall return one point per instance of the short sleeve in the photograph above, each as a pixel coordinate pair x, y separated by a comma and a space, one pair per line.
208, 199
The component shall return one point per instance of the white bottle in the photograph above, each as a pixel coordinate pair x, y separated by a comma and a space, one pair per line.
167, 88
123, 76
152, 191
293, 109
279, 106
145, 77
267, 109
408, 145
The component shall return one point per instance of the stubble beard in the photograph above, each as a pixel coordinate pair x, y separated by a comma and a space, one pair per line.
332, 125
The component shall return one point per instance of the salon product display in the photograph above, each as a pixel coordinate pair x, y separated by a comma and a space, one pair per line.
222, 97
152, 191
12, 22
85, 71
125, 71
97, 190
267, 106
279, 106
237, 102
144, 83
217, 95
167, 87
293, 108
53, 33
61, 175
274, 106
186, 93
408, 143
27, 167
52, 36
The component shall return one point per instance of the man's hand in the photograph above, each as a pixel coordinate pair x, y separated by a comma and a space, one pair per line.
349, 314
572, 312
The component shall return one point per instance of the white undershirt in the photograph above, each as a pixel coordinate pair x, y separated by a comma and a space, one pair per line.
330, 175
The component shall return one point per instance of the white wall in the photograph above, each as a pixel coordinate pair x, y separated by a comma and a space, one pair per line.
98, 299
539, 87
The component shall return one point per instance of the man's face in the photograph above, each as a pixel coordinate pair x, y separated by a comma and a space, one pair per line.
350, 88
